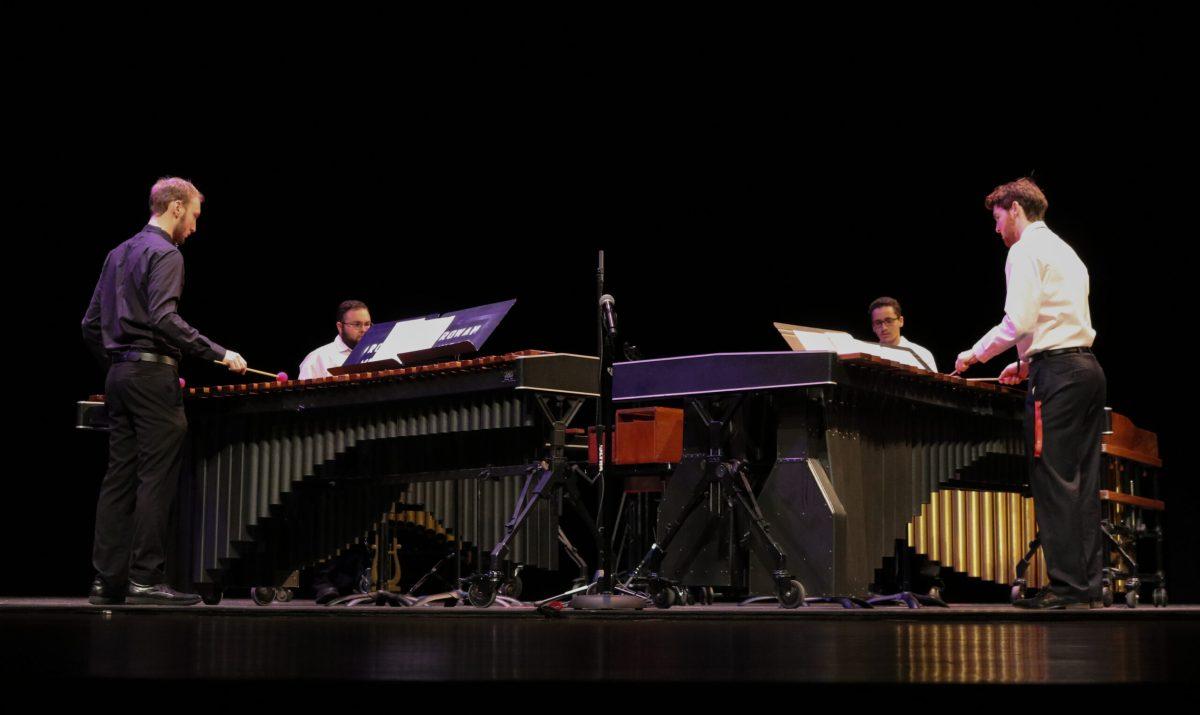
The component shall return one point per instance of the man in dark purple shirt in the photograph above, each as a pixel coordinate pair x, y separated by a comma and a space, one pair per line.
132, 325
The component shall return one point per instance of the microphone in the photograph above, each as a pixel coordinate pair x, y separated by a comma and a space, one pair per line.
610, 318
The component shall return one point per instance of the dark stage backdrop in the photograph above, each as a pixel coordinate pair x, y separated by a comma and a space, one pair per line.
712, 233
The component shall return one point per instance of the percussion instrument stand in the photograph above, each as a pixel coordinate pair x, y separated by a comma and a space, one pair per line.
906, 596
733, 474
545, 479
380, 595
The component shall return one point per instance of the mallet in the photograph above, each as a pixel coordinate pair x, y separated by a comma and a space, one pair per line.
279, 376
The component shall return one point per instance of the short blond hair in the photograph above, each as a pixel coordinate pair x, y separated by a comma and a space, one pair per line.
172, 188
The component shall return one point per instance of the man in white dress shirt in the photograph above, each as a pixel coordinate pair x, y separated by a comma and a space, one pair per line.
887, 320
354, 320
339, 575
1046, 317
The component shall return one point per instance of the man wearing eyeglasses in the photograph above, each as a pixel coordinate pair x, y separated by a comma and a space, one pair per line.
353, 322
886, 321
340, 574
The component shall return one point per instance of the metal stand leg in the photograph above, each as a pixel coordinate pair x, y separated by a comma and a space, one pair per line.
544, 479
718, 471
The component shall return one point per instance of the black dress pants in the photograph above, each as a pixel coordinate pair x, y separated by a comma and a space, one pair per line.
1064, 419
145, 406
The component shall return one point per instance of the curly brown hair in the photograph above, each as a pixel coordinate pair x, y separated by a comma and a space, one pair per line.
1022, 191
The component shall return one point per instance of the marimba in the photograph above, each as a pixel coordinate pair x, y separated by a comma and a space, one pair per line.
843, 456
281, 476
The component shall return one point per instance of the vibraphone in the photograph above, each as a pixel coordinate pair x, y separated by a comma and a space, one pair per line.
281, 476
845, 456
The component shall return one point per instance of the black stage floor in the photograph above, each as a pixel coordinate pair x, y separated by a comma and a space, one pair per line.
238, 642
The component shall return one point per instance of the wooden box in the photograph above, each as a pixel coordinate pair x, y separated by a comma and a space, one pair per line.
648, 435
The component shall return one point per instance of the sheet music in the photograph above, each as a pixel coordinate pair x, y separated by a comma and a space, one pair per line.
803, 338
413, 335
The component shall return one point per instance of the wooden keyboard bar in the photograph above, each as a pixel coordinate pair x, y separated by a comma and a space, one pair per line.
1130, 500
1130, 442
1139, 457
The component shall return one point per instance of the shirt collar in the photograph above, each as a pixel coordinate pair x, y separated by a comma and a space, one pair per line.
1032, 226
156, 230
341, 345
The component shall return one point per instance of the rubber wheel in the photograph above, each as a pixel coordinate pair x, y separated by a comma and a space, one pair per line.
935, 592
665, 597
1131, 599
512, 588
211, 598
283, 595
1106, 596
1017, 593
710, 595
793, 595
481, 595
1160, 597
262, 595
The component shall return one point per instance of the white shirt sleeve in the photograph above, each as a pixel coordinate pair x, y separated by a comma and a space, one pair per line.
928, 356
310, 368
1021, 304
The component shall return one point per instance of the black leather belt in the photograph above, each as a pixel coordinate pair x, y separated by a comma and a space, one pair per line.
1060, 351
133, 356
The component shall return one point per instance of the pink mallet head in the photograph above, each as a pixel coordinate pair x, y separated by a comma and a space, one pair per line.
282, 377
182, 383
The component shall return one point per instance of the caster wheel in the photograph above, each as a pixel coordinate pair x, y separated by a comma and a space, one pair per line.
364, 581
793, 595
1106, 596
263, 595
481, 595
211, 598
664, 597
1160, 597
710, 595
283, 595
1131, 599
512, 588
1018, 592
685, 596
935, 592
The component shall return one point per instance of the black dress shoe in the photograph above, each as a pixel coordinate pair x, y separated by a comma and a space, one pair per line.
1050, 601
158, 595
325, 594
104, 595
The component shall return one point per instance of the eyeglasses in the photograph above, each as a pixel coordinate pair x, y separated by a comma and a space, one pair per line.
886, 321
358, 326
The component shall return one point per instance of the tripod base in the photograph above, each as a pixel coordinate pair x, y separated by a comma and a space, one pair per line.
907, 598
607, 602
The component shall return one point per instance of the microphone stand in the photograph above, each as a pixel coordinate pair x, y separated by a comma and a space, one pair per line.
600, 593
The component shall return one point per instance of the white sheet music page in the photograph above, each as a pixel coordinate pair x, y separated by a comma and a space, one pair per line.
413, 335
802, 338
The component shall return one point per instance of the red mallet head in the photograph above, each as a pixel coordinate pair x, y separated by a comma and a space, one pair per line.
282, 377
